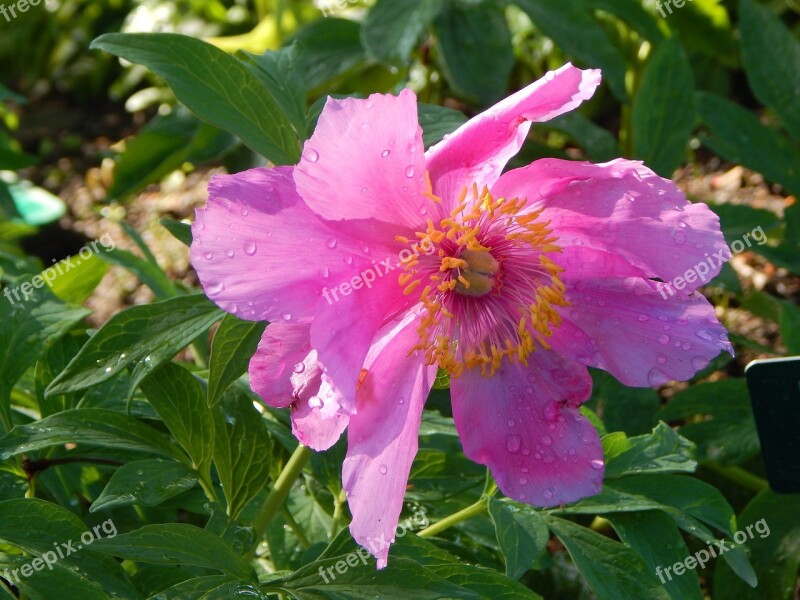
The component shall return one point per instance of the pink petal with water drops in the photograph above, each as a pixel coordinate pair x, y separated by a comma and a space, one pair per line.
628, 327
262, 254
365, 161
278, 369
383, 437
318, 418
525, 425
478, 151
622, 207
284, 371
344, 330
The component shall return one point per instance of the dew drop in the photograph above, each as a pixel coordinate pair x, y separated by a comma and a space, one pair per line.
315, 402
383, 469
250, 248
704, 335
547, 440
661, 359
208, 255
230, 253
385, 153
513, 444
680, 237
287, 317
699, 363
409, 171
311, 155
643, 318
597, 464
663, 339
523, 481
299, 368
331, 243
656, 377
548, 493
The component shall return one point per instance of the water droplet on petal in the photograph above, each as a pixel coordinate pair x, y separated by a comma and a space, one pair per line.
230, 253
643, 318
663, 339
208, 255
513, 443
315, 402
597, 464
383, 469
287, 317
661, 359
385, 153
704, 335
547, 440
699, 363
311, 155
409, 171
299, 368
331, 243
656, 378
548, 493
250, 248
523, 481
680, 237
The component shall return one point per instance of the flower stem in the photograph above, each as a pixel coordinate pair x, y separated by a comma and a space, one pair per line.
739, 476
280, 490
472, 510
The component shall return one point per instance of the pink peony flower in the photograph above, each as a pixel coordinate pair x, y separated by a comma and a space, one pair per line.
378, 262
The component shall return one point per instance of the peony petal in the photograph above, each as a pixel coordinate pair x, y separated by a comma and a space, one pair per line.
343, 331
280, 355
366, 161
479, 150
261, 253
624, 208
383, 437
318, 420
284, 371
619, 321
524, 424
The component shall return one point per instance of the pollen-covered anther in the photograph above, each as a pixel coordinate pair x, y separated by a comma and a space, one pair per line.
490, 290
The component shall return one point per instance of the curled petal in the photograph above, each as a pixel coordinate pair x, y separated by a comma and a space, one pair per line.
479, 150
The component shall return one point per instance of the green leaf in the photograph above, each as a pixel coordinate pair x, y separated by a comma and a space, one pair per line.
179, 400
662, 451
90, 426
210, 587
790, 327
332, 48
663, 109
234, 344
180, 231
729, 436
145, 483
242, 450
148, 335
147, 272
393, 28
631, 410
280, 72
738, 136
612, 570
36, 526
438, 121
704, 26
773, 531
771, 57
521, 533
475, 50
76, 283
217, 87
60, 582
655, 537
632, 12
737, 220
176, 544
570, 25
599, 144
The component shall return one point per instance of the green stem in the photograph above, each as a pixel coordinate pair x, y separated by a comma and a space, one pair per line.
739, 476
472, 510
280, 491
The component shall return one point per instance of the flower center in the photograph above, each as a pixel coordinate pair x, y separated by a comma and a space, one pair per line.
489, 289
